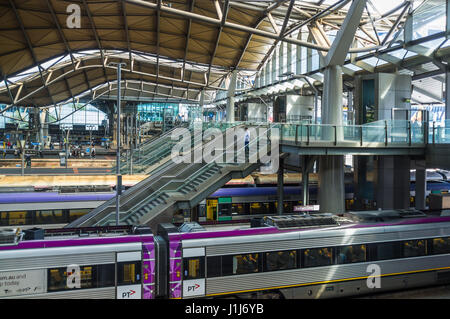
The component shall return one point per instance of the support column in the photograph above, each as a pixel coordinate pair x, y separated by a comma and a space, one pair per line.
43, 120
202, 102
273, 62
280, 187
421, 185
402, 182
447, 95
392, 182
289, 58
305, 181
331, 184
230, 97
331, 172
332, 96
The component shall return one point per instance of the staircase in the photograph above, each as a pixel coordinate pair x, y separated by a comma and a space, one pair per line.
170, 187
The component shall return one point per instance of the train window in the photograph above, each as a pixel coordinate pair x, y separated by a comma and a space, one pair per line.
128, 273
66, 278
414, 248
49, 217
441, 245
193, 268
351, 254
225, 209
14, 218
259, 208
280, 260
214, 266
246, 264
77, 213
386, 251
227, 265
106, 275
238, 209
315, 257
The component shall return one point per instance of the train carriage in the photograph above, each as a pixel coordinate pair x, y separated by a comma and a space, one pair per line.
333, 261
302, 256
83, 265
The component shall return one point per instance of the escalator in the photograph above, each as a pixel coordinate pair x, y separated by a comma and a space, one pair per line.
170, 187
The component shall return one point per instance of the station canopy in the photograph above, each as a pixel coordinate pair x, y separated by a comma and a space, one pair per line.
172, 49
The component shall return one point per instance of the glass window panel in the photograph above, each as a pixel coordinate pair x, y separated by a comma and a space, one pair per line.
63, 279
281, 260
245, 264
414, 248
194, 268
214, 266
315, 257
128, 273
351, 254
441, 245
388, 251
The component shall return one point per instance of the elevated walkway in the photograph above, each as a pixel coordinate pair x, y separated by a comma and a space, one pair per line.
378, 138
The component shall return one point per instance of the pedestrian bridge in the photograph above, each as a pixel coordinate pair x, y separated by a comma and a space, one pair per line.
378, 138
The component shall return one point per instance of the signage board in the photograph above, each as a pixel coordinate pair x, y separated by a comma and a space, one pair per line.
22, 282
306, 208
194, 287
129, 292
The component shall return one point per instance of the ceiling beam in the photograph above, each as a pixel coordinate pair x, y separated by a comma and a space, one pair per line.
219, 33
188, 35
30, 47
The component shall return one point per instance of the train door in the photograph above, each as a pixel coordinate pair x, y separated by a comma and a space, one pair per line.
211, 209
129, 275
194, 272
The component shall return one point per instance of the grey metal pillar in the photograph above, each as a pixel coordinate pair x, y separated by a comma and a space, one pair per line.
230, 97
280, 188
392, 182
447, 95
202, 103
119, 177
402, 182
331, 172
332, 97
331, 184
305, 181
421, 185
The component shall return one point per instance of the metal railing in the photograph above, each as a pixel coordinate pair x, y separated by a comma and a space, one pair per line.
386, 132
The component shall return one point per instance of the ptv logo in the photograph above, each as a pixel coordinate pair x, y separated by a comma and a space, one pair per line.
127, 294
193, 288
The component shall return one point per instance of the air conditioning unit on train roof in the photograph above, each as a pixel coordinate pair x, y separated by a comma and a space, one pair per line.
190, 227
10, 236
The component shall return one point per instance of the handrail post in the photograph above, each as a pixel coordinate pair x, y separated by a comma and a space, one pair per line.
335, 135
281, 132
385, 133
296, 134
409, 133
308, 126
434, 130
361, 135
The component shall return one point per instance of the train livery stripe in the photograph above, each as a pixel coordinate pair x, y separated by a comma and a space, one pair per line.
328, 281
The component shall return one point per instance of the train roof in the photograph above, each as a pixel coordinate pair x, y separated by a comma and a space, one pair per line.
354, 220
42, 197
38, 197
14, 238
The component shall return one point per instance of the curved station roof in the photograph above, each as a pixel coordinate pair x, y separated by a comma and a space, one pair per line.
57, 51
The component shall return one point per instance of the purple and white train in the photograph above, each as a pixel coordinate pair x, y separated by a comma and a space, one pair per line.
309, 256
